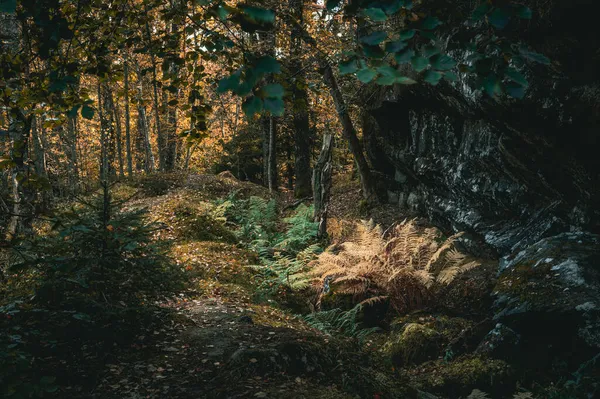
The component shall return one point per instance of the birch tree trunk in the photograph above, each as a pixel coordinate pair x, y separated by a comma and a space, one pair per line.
117, 116
161, 142
322, 184
143, 129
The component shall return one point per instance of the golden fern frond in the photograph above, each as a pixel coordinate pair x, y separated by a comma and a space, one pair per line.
447, 275
352, 279
373, 300
523, 395
424, 277
443, 248
477, 394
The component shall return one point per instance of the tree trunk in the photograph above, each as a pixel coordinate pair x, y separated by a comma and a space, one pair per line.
272, 167
342, 110
299, 108
107, 133
350, 133
143, 129
322, 184
127, 116
159, 133
72, 155
18, 132
117, 117
269, 126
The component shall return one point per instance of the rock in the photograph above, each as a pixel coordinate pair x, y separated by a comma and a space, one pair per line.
550, 295
458, 378
500, 343
513, 172
416, 344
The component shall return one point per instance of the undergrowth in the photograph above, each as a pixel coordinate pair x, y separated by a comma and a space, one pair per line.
404, 266
83, 288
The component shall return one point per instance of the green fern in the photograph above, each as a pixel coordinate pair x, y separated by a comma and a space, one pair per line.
337, 321
302, 230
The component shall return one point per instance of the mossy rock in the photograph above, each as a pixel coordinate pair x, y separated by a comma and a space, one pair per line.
415, 345
459, 378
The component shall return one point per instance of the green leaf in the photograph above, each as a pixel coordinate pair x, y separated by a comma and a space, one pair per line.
515, 90
267, 64
252, 106
229, 83
524, 12
431, 23
428, 35
8, 6
348, 67
481, 11
275, 106
87, 112
404, 80
373, 51
419, 63
405, 56
387, 70
442, 62
492, 85
366, 75
274, 90
533, 56
386, 80
258, 14
430, 50
395, 46
374, 38
392, 7
499, 18
516, 76
450, 76
432, 77
407, 34
376, 14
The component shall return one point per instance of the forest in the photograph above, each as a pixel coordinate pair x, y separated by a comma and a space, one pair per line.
299, 199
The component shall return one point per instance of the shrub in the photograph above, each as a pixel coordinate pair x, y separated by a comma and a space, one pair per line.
98, 252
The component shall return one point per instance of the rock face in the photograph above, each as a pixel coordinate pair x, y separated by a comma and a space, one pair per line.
550, 295
513, 171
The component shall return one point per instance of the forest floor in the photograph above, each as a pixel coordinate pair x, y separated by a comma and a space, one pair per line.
216, 338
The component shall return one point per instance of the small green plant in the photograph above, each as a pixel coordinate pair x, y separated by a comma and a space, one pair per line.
337, 321
99, 252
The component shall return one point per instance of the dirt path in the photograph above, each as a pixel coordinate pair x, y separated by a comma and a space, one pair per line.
216, 340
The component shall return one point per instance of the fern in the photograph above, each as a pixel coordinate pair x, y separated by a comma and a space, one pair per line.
477, 394
301, 231
337, 321
405, 267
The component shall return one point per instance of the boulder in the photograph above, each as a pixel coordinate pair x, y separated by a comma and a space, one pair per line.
550, 295
500, 343
416, 344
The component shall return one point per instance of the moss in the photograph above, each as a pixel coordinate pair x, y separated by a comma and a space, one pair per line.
461, 376
416, 344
